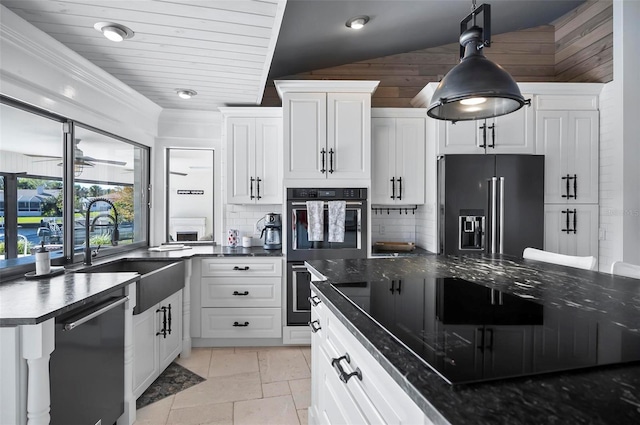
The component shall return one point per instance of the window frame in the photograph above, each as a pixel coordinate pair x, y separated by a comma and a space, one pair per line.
15, 266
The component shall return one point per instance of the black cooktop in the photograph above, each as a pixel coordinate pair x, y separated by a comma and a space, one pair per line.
469, 333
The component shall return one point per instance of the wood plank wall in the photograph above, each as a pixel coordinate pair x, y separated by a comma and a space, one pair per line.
584, 43
574, 48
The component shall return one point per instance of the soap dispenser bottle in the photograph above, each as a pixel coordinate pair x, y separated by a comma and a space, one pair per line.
43, 261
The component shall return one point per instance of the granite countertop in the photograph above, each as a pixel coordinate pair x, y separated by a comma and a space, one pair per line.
33, 301
603, 395
28, 302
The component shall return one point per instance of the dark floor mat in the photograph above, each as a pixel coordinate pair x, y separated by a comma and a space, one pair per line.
174, 379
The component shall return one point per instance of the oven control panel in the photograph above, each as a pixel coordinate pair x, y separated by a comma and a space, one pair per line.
326, 194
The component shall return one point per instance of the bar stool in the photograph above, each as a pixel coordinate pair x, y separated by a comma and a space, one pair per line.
625, 269
586, 263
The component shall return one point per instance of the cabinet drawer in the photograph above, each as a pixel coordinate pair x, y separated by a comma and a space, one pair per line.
377, 394
230, 323
241, 266
241, 292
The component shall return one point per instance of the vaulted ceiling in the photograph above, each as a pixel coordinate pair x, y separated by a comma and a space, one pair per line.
226, 50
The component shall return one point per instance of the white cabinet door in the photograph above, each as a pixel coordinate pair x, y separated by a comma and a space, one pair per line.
560, 221
145, 349
254, 160
569, 141
511, 133
268, 160
240, 159
305, 135
349, 135
410, 160
459, 137
383, 146
171, 344
398, 158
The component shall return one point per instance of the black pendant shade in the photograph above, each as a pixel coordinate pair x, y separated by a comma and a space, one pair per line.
476, 88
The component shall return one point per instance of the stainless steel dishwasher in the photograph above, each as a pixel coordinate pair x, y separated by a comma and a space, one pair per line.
87, 364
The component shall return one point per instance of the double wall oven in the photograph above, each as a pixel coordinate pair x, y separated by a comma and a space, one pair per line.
300, 249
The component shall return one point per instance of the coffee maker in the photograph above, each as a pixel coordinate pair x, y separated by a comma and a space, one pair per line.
272, 231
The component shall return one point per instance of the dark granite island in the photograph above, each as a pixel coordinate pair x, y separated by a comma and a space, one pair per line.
595, 395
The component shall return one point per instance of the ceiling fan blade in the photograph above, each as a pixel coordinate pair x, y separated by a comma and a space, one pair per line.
103, 161
51, 157
177, 173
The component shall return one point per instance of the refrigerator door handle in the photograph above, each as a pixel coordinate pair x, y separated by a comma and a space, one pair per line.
501, 212
492, 214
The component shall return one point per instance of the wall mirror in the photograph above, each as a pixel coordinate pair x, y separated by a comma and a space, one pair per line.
190, 195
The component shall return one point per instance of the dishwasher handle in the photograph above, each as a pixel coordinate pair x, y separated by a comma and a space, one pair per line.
71, 325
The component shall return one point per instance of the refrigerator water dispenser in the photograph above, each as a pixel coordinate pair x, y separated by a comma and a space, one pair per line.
471, 231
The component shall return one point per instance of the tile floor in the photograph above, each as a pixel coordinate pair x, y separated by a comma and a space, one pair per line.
244, 386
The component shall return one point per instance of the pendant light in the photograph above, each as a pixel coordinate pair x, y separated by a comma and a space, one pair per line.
476, 88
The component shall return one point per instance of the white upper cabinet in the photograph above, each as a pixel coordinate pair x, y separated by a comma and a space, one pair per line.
327, 129
569, 141
398, 156
511, 133
254, 152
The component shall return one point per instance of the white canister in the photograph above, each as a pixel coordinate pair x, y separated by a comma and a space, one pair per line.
232, 238
43, 262
246, 241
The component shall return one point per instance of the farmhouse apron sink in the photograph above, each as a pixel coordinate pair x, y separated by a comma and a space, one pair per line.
158, 279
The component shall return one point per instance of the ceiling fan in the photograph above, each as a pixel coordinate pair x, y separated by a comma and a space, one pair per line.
80, 161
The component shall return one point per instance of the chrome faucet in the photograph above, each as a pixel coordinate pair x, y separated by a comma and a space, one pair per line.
89, 226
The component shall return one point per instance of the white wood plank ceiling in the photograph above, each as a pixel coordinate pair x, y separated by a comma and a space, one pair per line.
220, 49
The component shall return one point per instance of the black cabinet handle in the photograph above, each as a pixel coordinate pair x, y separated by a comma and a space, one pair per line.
483, 127
251, 187
489, 345
568, 179
393, 187
344, 376
240, 293
241, 325
258, 180
314, 300
492, 127
575, 186
331, 152
245, 268
323, 153
163, 331
575, 221
567, 229
315, 326
400, 191
169, 310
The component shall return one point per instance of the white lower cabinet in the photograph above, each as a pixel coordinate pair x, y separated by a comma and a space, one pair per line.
571, 229
369, 394
241, 298
157, 341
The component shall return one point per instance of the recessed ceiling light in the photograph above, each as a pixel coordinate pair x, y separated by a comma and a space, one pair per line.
186, 93
357, 22
114, 32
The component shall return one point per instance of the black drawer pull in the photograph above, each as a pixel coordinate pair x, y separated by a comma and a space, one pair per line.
344, 376
240, 293
315, 326
314, 300
241, 325
241, 268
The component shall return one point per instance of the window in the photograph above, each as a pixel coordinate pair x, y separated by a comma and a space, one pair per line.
109, 177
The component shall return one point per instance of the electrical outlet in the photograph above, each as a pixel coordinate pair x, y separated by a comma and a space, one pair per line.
381, 229
602, 234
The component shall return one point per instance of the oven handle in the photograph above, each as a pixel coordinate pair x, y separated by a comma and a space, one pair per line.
304, 204
301, 267
85, 319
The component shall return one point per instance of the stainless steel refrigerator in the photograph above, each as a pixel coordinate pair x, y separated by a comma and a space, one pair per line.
490, 203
